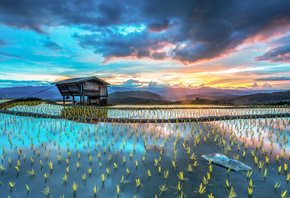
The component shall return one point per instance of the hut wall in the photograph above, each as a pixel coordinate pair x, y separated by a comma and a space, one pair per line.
94, 89
103, 90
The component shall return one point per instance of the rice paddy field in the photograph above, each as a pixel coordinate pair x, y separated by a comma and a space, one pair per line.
46, 157
4, 100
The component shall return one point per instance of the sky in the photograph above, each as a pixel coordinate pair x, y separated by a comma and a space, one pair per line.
176, 43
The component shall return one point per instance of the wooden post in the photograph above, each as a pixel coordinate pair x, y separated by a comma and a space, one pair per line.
63, 100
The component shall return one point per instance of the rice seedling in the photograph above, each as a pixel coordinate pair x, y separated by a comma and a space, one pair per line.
96, 191
284, 193
279, 169
192, 157
173, 164
75, 187
50, 165
162, 189
103, 178
181, 176
265, 173
201, 189
228, 184
118, 190
148, 172
27, 188
276, 185
229, 169
30, 172
285, 167
210, 168
267, 160
249, 173
138, 183
12, 185
210, 196
17, 168
156, 162
31, 159
109, 157
250, 191
189, 169
2, 168
84, 176
178, 188
46, 191
232, 193
65, 177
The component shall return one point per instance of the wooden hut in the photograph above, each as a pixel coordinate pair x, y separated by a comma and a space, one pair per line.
91, 90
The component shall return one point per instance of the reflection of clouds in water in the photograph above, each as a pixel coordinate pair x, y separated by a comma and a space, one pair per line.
48, 109
250, 130
189, 113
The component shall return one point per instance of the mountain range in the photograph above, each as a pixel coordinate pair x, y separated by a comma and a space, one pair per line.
121, 95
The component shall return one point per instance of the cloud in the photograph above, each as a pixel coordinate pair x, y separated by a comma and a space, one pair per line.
158, 26
275, 78
260, 86
152, 84
131, 83
10, 55
278, 54
266, 85
52, 45
20, 83
201, 85
255, 85
186, 31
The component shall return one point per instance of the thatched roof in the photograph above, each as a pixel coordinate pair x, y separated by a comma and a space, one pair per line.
79, 80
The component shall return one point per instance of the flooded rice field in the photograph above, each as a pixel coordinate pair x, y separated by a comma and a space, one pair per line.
150, 111
57, 157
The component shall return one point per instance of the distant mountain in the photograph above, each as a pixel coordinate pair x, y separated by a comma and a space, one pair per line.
190, 93
160, 95
261, 98
126, 96
43, 92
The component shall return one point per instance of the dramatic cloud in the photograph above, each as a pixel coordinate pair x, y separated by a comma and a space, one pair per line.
277, 78
158, 27
185, 31
225, 43
278, 54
